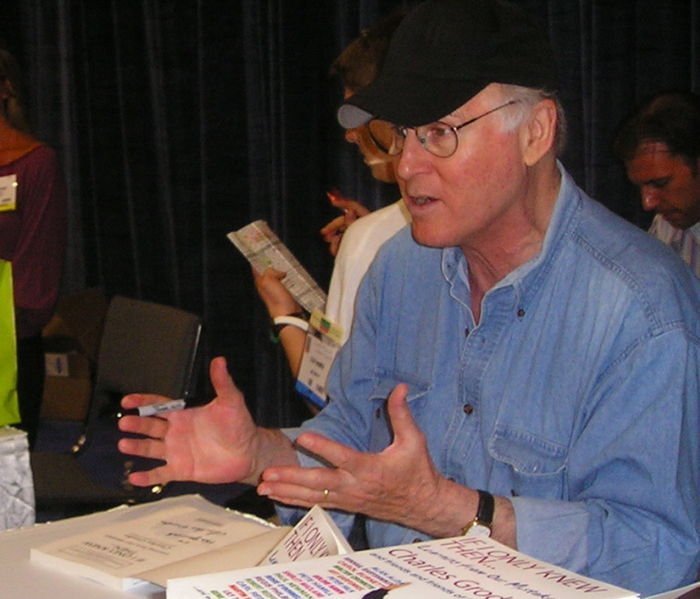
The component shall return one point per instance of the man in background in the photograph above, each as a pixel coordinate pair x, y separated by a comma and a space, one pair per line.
660, 146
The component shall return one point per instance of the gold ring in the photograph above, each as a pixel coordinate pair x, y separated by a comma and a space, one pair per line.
326, 493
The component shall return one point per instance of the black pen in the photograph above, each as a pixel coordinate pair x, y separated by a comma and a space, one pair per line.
154, 409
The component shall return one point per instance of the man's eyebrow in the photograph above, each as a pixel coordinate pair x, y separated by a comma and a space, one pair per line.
656, 180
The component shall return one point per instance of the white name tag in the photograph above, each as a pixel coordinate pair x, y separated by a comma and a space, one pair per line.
319, 353
8, 193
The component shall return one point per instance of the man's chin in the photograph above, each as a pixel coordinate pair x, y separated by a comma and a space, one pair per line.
424, 236
677, 220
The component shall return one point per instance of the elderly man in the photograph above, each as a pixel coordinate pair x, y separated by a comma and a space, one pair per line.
660, 146
540, 355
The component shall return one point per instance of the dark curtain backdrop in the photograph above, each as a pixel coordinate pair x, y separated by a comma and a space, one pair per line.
180, 120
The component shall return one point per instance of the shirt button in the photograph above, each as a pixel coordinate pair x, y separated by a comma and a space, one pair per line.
468, 409
378, 413
466, 332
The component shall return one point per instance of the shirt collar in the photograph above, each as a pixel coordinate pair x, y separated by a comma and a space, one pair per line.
695, 231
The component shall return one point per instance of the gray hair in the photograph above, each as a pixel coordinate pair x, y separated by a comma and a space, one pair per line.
527, 98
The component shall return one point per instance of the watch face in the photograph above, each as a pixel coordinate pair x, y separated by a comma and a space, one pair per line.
477, 529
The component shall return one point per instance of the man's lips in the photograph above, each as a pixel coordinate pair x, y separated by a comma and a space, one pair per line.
420, 200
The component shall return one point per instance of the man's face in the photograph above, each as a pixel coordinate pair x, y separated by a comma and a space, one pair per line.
668, 185
474, 196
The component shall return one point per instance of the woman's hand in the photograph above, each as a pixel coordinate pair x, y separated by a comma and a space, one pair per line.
276, 297
332, 233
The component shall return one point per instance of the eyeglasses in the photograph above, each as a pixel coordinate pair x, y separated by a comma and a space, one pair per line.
440, 139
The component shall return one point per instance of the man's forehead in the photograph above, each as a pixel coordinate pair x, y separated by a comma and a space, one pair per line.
650, 148
652, 161
655, 156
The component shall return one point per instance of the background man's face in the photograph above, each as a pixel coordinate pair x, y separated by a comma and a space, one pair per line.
668, 185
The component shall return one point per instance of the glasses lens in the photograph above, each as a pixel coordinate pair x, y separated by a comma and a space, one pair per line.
385, 136
438, 138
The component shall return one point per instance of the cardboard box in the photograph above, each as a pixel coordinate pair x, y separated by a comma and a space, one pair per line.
67, 386
79, 319
66, 398
71, 342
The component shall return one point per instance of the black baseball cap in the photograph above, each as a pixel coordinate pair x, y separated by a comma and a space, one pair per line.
443, 53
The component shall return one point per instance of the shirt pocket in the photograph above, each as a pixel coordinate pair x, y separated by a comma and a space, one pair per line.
380, 429
536, 466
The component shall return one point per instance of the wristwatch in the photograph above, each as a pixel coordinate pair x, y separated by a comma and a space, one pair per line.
480, 526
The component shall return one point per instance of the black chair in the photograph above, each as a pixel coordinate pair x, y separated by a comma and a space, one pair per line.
145, 347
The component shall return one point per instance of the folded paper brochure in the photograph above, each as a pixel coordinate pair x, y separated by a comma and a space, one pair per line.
263, 248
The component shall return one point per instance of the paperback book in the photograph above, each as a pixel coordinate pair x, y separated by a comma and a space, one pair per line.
189, 536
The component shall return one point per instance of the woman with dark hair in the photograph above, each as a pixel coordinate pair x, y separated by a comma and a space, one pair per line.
32, 236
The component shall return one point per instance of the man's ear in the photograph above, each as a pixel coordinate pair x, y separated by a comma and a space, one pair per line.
538, 133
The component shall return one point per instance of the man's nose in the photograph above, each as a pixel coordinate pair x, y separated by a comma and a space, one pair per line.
351, 136
650, 199
413, 158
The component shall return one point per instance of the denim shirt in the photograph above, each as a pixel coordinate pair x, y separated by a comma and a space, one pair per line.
576, 395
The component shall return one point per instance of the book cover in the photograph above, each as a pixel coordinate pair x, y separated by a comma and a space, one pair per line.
158, 545
461, 568
314, 536
189, 536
